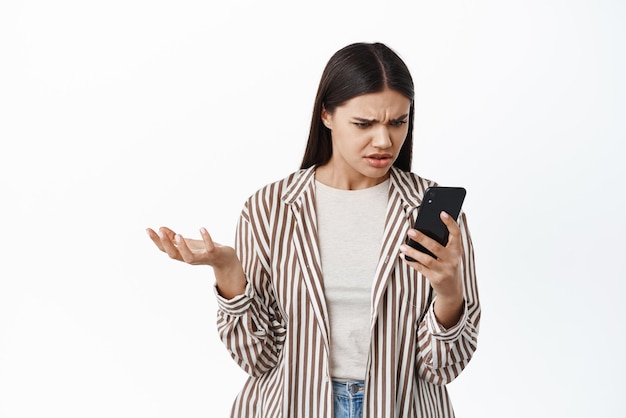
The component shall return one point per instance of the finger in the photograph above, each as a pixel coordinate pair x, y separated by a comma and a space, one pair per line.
168, 232
426, 241
155, 238
432, 269
424, 263
208, 241
419, 258
454, 232
183, 249
168, 245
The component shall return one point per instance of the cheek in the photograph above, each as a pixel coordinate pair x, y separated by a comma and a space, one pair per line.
399, 137
349, 138
342, 141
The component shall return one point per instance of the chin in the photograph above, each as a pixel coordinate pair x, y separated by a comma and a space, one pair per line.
376, 173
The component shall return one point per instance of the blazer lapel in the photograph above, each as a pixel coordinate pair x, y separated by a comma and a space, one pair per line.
401, 211
301, 199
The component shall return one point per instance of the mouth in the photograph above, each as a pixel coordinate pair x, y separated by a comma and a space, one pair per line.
379, 156
379, 160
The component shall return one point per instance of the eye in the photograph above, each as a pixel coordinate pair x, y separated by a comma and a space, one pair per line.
397, 123
362, 125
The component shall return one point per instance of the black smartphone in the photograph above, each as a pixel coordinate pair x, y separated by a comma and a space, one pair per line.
428, 221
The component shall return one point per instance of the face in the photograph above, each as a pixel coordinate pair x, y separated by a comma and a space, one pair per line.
367, 134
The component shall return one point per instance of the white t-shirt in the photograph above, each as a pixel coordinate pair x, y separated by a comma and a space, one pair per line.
350, 227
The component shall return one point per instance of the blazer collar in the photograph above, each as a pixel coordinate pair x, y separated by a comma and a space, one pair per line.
402, 183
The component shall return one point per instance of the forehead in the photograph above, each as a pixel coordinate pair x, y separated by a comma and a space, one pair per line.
388, 102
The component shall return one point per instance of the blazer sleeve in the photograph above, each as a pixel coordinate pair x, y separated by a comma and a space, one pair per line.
250, 325
444, 353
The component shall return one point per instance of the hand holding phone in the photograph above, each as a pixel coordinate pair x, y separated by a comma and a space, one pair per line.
428, 221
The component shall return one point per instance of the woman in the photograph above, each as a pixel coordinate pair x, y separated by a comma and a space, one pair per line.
317, 301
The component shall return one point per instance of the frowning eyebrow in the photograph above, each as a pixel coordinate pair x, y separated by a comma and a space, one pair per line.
365, 120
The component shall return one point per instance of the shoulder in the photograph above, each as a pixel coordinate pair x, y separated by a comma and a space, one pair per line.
283, 191
409, 183
282, 186
415, 179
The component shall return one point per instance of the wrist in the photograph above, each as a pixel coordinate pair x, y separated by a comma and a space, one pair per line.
448, 310
230, 280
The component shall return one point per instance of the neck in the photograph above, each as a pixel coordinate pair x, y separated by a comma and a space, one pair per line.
332, 178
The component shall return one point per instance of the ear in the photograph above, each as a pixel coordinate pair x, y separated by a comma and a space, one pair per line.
326, 118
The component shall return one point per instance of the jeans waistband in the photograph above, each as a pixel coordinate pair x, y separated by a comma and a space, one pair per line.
348, 387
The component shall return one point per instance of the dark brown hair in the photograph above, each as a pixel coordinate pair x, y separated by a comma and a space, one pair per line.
354, 70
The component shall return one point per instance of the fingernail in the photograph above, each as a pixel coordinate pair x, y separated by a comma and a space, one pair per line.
403, 248
444, 214
161, 234
177, 238
412, 233
203, 230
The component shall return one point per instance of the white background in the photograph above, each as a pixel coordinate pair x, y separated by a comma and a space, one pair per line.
121, 115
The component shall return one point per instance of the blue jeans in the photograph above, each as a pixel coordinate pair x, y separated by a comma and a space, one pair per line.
348, 398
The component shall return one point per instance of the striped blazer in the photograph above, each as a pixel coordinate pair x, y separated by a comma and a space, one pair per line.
278, 330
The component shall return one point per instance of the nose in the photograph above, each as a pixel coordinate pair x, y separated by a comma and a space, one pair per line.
382, 139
